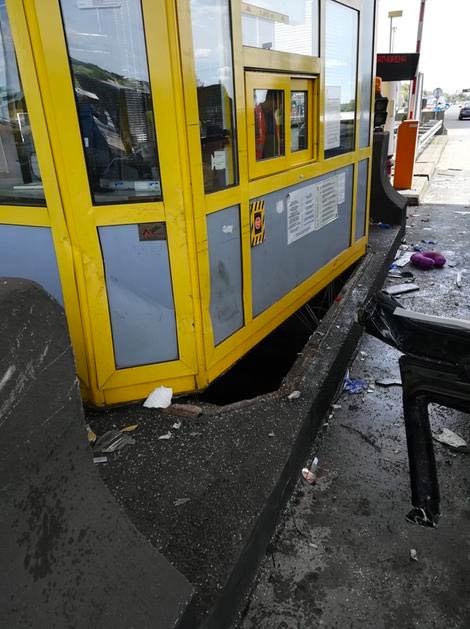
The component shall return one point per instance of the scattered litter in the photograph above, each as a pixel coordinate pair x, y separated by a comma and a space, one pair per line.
100, 459
294, 395
388, 382
271, 434
417, 248
90, 434
404, 259
425, 220
315, 546
413, 554
177, 425
181, 501
364, 354
113, 440
428, 260
129, 428
408, 275
449, 438
452, 264
336, 406
398, 289
458, 280
194, 434
354, 385
429, 242
462, 212
184, 409
159, 398
165, 436
310, 473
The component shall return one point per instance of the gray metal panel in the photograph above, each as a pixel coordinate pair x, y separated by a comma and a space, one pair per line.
361, 203
140, 296
28, 252
223, 235
276, 267
366, 45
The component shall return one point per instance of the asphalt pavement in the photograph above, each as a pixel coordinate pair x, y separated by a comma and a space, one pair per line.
343, 555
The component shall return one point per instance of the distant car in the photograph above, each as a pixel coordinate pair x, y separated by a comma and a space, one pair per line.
465, 111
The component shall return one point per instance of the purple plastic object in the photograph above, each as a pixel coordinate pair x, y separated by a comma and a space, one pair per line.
420, 261
438, 258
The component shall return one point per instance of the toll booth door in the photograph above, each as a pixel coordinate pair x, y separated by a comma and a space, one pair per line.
106, 73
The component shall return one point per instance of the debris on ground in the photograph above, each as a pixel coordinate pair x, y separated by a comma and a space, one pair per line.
354, 385
413, 554
399, 289
165, 437
388, 382
270, 434
429, 242
129, 428
426, 260
177, 425
336, 406
181, 501
159, 398
90, 434
190, 410
112, 440
404, 259
396, 274
310, 473
294, 395
449, 438
458, 280
100, 459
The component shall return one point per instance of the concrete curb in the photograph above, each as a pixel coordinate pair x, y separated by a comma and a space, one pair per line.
425, 168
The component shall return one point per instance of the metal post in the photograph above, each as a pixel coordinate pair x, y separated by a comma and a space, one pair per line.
412, 103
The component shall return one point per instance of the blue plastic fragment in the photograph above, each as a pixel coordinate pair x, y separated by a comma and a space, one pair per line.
429, 242
417, 248
354, 385
384, 225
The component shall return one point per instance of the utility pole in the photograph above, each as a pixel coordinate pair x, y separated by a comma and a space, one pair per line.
412, 105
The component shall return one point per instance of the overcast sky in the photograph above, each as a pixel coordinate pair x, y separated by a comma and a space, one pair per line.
444, 48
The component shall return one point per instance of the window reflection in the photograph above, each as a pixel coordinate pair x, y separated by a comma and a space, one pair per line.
212, 42
20, 179
340, 78
108, 59
279, 25
299, 121
269, 123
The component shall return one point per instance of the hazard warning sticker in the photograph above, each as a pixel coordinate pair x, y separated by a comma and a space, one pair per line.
257, 222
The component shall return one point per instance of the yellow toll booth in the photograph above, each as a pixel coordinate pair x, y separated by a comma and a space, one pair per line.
181, 175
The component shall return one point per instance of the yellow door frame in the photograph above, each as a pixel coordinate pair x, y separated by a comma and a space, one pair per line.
52, 215
45, 22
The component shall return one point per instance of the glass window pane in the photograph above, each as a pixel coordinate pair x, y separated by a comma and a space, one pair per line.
20, 179
212, 41
285, 26
340, 78
299, 121
108, 59
269, 123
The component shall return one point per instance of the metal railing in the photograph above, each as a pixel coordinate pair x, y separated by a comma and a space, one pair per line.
427, 131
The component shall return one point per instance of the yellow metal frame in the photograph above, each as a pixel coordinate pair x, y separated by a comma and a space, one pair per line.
44, 65
85, 217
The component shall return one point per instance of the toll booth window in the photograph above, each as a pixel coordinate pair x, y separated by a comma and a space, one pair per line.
108, 60
269, 123
212, 44
283, 26
340, 78
299, 121
20, 178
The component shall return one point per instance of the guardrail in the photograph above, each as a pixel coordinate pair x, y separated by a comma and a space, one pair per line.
427, 131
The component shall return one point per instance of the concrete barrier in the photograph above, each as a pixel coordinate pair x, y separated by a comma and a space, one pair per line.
69, 555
